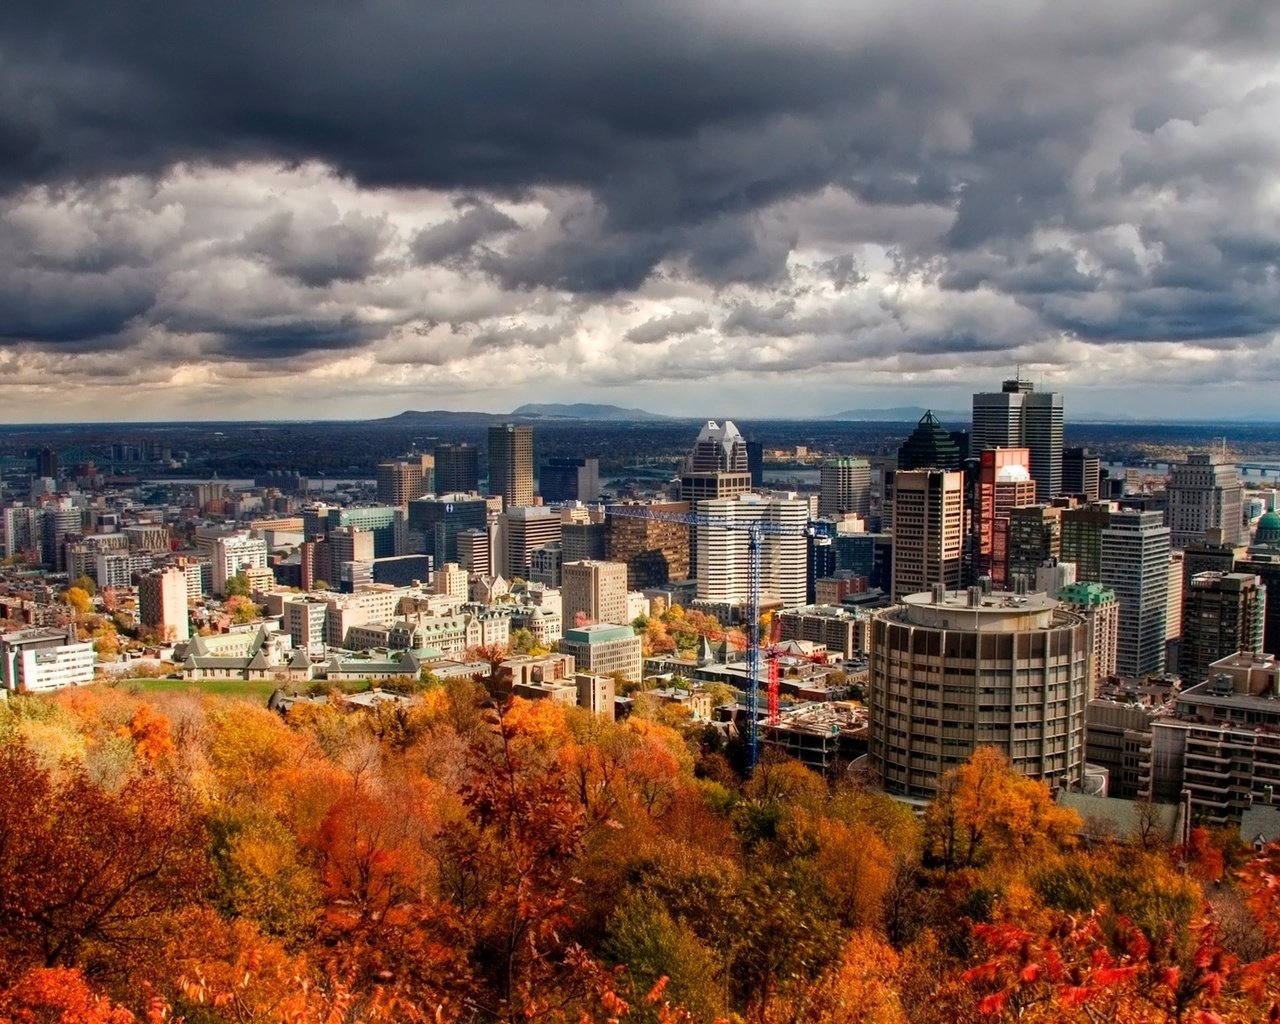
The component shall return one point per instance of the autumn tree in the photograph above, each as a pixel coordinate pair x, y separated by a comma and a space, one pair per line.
78, 600
86, 875
58, 995
985, 810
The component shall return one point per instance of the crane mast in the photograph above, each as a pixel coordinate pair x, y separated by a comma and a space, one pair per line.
756, 531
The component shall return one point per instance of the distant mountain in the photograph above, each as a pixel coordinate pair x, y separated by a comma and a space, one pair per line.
899, 414
414, 416
587, 411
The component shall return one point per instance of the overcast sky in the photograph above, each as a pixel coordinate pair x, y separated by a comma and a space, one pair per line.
702, 207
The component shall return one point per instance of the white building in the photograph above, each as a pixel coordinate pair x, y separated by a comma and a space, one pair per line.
1204, 493
234, 553
724, 554
39, 660
1135, 564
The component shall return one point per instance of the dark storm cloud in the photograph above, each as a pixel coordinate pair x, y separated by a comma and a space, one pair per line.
1025, 169
661, 328
479, 221
345, 250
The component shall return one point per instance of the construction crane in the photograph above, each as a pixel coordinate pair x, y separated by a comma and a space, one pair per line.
756, 531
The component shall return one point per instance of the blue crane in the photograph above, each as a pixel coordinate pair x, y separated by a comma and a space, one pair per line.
756, 531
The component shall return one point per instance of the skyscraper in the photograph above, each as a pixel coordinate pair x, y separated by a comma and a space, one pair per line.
1222, 613
724, 556
511, 464
1204, 492
1081, 474
1135, 564
929, 447
1004, 483
596, 590
845, 487
402, 480
717, 467
457, 468
1018, 416
928, 530
656, 551
569, 479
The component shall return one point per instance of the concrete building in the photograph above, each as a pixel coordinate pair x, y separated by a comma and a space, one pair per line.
604, 649
843, 631
38, 660
1222, 744
21, 531
451, 580
584, 542
1081, 538
595, 590
845, 487
928, 530
1222, 613
656, 551
522, 529
951, 671
717, 467
511, 464
474, 551
1018, 416
162, 603
724, 554
596, 693
1100, 610
1204, 492
1264, 563
1004, 483
457, 468
232, 554
1117, 739
1135, 564
399, 481
546, 564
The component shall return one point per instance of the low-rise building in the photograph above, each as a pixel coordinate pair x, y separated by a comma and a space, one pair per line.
38, 660
605, 649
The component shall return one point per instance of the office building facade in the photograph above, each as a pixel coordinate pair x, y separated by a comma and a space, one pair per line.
511, 464
928, 530
457, 468
1135, 564
595, 590
1203, 493
845, 486
1018, 416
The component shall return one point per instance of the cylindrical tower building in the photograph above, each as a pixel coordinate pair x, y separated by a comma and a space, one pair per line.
955, 670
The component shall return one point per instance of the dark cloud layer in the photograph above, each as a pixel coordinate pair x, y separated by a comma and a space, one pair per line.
840, 182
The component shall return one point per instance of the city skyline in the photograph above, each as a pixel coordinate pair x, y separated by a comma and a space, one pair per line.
204, 216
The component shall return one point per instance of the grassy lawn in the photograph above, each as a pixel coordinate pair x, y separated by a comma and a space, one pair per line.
257, 690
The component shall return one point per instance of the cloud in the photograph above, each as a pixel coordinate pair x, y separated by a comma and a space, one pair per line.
640, 193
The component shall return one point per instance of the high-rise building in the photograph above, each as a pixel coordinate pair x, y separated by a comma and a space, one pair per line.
162, 604
59, 519
457, 468
21, 530
1034, 538
435, 522
474, 551
1135, 564
569, 479
1222, 613
951, 671
1081, 473
451, 580
656, 550
584, 542
1101, 612
596, 590
1082, 538
402, 480
1204, 492
1004, 483
717, 467
1018, 416
511, 464
755, 463
928, 530
1211, 553
929, 446
523, 528
724, 554
1265, 564
845, 487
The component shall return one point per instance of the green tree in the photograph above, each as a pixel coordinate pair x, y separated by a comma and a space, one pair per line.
86, 584
238, 586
